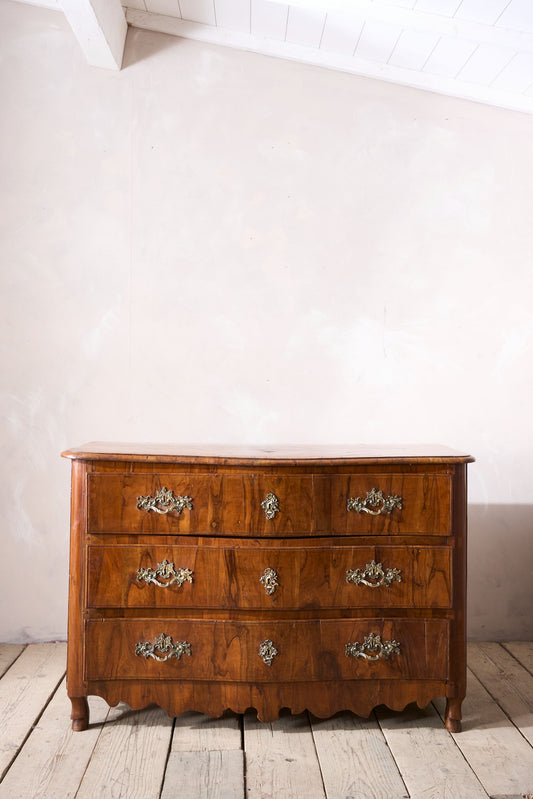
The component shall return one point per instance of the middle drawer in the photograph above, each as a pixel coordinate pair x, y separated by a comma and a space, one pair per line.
265, 578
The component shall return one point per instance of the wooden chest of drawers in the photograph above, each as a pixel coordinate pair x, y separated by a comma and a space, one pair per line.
304, 578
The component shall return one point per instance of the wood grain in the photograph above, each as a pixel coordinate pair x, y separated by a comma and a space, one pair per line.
53, 760
134, 743
430, 763
500, 756
457, 687
221, 504
229, 505
355, 759
225, 613
522, 651
426, 501
322, 699
206, 760
229, 651
270, 748
204, 775
194, 732
511, 684
76, 602
24, 689
8, 654
352, 755
220, 454
229, 577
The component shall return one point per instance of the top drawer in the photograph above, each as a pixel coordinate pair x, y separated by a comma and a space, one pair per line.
270, 505
199, 503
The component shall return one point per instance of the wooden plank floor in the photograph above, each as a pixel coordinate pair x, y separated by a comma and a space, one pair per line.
146, 755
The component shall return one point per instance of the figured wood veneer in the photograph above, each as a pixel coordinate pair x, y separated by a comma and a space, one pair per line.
231, 505
224, 613
229, 577
228, 650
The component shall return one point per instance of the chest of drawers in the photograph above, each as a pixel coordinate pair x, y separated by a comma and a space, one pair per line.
228, 578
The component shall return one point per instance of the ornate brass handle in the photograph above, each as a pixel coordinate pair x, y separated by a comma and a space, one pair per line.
375, 646
270, 505
167, 571
164, 502
372, 502
267, 652
165, 645
269, 579
374, 571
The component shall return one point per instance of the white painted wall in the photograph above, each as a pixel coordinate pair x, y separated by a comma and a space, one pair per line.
212, 246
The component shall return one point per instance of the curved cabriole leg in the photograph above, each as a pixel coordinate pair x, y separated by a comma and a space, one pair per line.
452, 715
80, 713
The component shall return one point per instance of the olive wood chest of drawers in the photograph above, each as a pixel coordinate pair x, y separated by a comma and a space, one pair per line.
308, 578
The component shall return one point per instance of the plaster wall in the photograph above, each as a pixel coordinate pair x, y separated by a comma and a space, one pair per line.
215, 246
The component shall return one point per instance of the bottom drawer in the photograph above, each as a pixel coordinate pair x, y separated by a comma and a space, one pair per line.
264, 651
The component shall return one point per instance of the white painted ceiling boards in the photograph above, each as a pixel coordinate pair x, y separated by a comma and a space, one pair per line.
476, 49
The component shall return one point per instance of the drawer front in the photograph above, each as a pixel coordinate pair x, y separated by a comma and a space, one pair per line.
299, 651
270, 505
384, 504
269, 577
222, 504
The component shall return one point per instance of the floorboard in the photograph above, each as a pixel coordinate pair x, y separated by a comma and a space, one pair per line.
355, 759
281, 759
8, 654
522, 651
205, 775
53, 761
146, 755
507, 681
429, 761
495, 749
130, 756
206, 760
25, 690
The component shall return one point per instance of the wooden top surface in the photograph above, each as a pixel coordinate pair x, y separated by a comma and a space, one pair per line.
266, 454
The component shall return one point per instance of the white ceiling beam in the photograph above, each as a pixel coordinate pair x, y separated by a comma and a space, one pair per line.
100, 27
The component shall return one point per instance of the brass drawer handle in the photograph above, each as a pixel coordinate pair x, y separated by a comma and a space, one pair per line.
375, 646
164, 502
270, 505
165, 645
269, 579
267, 652
371, 503
374, 571
167, 571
